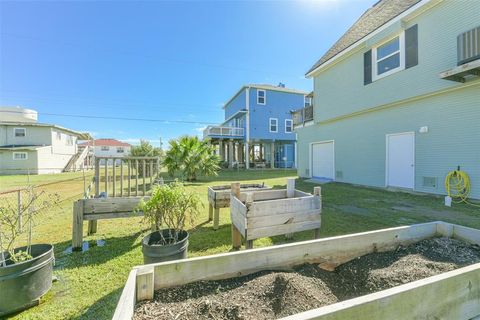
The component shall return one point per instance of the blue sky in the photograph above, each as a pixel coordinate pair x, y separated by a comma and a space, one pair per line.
157, 60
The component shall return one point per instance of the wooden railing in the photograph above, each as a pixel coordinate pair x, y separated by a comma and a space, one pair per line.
125, 176
303, 115
223, 131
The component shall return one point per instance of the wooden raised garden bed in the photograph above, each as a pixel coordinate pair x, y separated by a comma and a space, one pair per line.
219, 197
270, 213
449, 295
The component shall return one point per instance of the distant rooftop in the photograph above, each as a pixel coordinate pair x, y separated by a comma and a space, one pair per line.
106, 142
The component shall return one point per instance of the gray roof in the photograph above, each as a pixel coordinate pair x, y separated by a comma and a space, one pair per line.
375, 17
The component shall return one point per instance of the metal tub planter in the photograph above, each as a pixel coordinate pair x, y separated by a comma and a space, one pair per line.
449, 295
22, 284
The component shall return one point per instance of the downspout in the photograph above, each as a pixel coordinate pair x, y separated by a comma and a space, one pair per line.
247, 136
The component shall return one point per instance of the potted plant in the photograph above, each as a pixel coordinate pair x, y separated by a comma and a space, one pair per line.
171, 206
25, 271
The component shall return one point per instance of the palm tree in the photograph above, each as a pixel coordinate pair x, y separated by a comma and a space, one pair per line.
191, 157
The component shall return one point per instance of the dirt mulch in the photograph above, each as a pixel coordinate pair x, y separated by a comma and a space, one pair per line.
270, 295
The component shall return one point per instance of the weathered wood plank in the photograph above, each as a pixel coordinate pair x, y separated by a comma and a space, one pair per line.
283, 218
145, 284
126, 303
77, 225
451, 295
335, 249
103, 216
108, 205
284, 205
236, 234
275, 230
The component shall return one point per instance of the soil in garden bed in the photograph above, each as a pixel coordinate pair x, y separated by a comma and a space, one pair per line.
273, 294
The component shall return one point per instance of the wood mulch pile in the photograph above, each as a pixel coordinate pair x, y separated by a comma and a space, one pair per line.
273, 294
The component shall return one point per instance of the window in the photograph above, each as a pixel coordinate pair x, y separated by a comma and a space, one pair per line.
69, 141
120, 150
261, 96
59, 136
20, 156
20, 132
105, 148
308, 101
288, 125
389, 57
273, 125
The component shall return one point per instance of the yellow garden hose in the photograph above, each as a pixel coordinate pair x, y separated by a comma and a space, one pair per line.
457, 185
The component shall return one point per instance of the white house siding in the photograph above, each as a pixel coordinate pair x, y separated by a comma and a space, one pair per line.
39, 136
8, 166
453, 139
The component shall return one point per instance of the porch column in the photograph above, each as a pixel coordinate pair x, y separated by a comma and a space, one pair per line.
230, 153
221, 150
247, 155
260, 153
272, 155
295, 155
239, 152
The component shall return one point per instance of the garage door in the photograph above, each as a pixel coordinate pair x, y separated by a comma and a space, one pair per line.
323, 160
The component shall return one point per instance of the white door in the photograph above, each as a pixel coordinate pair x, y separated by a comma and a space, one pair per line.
323, 160
401, 160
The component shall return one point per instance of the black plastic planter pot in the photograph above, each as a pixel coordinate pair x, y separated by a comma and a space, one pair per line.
160, 253
21, 284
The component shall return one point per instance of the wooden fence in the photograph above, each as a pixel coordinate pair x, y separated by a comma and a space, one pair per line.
125, 176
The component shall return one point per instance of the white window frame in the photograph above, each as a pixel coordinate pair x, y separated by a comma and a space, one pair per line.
401, 50
305, 101
105, 148
69, 140
15, 132
270, 124
264, 97
120, 148
20, 159
291, 125
58, 135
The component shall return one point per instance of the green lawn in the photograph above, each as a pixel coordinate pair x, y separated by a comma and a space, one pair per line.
89, 283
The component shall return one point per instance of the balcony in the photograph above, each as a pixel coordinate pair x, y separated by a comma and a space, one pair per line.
223, 132
302, 116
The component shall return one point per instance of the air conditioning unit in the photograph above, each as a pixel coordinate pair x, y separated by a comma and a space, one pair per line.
468, 46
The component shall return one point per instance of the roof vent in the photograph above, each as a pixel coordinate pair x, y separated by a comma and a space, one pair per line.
281, 85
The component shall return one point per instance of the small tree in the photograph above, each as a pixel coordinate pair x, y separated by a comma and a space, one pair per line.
191, 157
145, 149
12, 228
171, 205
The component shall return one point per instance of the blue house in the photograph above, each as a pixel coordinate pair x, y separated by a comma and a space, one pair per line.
258, 127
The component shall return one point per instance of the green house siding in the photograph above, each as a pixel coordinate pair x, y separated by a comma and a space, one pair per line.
453, 139
340, 89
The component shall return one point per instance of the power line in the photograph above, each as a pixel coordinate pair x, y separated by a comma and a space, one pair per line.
114, 118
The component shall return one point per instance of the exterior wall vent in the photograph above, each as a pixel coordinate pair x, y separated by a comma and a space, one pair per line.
338, 174
468, 46
430, 182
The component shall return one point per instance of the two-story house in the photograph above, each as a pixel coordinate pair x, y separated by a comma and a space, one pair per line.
30, 147
397, 99
110, 148
258, 127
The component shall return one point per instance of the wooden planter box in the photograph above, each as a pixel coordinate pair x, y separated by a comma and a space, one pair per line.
270, 213
450, 295
219, 197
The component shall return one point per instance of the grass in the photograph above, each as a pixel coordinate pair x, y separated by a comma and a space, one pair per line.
90, 283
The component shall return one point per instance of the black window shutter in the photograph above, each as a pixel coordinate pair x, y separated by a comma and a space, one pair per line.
367, 67
411, 47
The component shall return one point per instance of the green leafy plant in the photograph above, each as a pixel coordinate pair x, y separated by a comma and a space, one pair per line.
16, 223
172, 206
191, 157
145, 149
